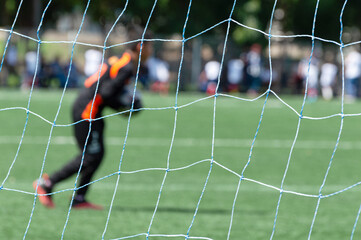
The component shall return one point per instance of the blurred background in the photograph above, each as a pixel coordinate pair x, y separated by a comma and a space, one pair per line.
246, 65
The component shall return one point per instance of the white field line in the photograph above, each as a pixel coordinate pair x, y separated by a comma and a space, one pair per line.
189, 142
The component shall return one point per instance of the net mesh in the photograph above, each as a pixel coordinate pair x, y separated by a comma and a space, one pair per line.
212, 162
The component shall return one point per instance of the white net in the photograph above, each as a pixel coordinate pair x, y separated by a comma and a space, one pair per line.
212, 160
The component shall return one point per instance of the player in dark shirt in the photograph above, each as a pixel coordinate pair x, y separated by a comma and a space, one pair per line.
115, 76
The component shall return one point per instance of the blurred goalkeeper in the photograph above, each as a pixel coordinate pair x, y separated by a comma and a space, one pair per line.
113, 91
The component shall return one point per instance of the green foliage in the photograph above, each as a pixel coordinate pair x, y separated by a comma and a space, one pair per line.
10, 6
169, 16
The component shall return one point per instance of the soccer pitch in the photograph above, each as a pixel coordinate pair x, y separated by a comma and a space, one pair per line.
145, 160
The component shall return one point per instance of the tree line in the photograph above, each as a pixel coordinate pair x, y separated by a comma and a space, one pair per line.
169, 15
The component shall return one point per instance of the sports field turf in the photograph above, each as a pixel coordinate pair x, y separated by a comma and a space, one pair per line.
147, 149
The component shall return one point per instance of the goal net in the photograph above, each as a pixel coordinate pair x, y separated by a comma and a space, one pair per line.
216, 167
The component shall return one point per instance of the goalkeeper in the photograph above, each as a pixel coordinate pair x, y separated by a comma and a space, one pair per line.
115, 77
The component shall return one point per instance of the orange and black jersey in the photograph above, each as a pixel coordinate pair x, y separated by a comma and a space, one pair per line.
113, 78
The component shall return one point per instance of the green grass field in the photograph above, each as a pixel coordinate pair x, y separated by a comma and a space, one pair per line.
147, 148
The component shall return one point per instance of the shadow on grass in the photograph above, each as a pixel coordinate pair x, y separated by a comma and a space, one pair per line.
184, 210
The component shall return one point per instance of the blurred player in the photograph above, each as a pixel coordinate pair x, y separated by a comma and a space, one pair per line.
115, 77
309, 71
158, 75
328, 77
352, 74
209, 77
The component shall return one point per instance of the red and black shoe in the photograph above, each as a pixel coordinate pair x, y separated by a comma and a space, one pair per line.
44, 188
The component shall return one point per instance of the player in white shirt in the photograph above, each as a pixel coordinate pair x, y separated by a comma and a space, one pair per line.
328, 79
352, 74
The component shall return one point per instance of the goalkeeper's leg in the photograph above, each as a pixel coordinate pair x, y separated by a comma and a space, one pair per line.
87, 173
93, 156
